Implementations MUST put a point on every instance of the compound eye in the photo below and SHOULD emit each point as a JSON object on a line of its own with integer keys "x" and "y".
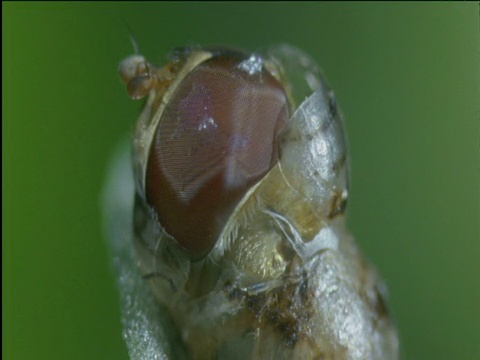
{"x": 215, "y": 140}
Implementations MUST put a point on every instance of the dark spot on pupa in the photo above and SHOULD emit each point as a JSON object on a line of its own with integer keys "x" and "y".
{"x": 285, "y": 309}
{"x": 303, "y": 290}
{"x": 339, "y": 163}
{"x": 338, "y": 204}
{"x": 380, "y": 305}
{"x": 332, "y": 104}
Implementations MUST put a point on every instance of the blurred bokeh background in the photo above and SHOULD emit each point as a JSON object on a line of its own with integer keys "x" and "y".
{"x": 406, "y": 76}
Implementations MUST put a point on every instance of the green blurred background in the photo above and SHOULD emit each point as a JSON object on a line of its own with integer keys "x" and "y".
{"x": 406, "y": 76}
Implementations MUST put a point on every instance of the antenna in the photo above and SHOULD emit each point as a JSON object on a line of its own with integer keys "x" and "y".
{"x": 133, "y": 40}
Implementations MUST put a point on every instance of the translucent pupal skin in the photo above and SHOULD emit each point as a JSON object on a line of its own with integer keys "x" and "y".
{"x": 285, "y": 280}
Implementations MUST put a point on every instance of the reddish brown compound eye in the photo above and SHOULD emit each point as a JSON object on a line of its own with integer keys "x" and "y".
{"x": 215, "y": 140}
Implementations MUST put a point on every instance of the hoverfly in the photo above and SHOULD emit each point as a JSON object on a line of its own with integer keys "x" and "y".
{"x": 227, "y": 221}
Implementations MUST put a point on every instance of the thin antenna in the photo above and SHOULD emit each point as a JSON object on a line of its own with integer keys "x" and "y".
{"x": 133, "y": 40}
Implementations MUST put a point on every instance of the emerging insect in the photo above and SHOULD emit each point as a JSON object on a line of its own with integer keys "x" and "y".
{"x": 240, "y": 169}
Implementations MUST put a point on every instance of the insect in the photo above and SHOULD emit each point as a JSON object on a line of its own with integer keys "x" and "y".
{"x": 240, "y": 171}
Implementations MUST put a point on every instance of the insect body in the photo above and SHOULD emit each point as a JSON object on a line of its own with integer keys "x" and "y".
{"x": 240, "y": 168}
